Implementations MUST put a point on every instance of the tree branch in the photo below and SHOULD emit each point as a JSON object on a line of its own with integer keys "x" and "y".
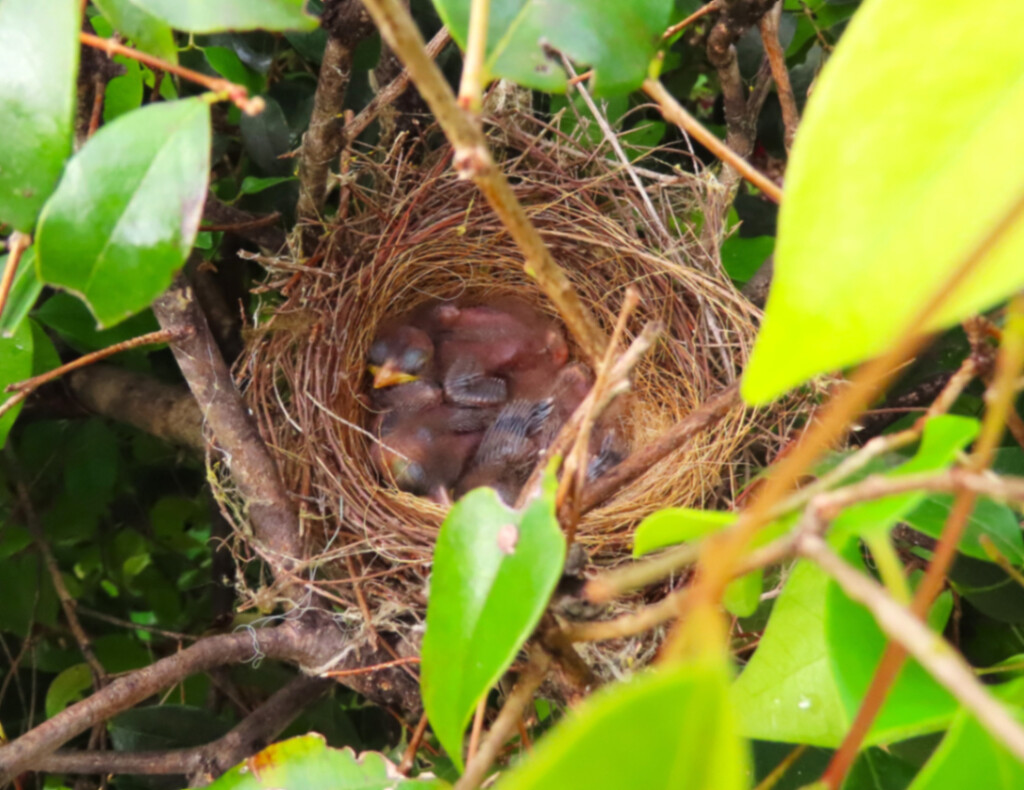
{"x": 243, "y": 224}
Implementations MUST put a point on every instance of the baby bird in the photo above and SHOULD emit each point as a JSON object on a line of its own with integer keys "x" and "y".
{"x": 401, "y": 353}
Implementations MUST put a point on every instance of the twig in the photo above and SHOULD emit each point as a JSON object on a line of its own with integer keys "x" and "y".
{"x": 506, "y": 722}
{"x": 236, "y": 93}
{"x": 675, "y": 113}
{"x": 1000, "y": 396}
{"x": 250, "y": 227}
{"x": 936, "y": 655}
{"x": 702, "y": 11}
{"x": 780, "y": 770}
{"x": 17, "y": 243}
{"x": 1000, "y": 559}
{"x": 238, "y": 228}
{"x": 346, "y": 673}
{"x": 471, "y": 88}
{"x": 478, "y": 726}
{"x": 473, "y": 160}
{"x": 769, "y": 27}
{"x": 409, "y": 757}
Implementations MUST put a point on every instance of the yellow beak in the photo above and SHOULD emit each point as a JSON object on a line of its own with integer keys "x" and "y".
{"x": 388, "y": 374}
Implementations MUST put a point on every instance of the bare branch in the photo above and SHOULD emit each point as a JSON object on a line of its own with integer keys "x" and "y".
{"x": 243, "y": 224}
{"x": 769, "y": 27}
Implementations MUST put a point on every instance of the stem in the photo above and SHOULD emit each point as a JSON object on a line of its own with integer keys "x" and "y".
{"x": 769, "y": 27}
{"x": 471, "y": 88}
{"x": 702, "y": 11}
{"x": 17, "y": 243}
{"x": 236, "y": 93}
{"x": 675, "y": 113}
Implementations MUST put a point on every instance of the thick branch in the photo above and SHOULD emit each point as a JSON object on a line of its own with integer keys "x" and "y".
{"x": 274, "y": 518}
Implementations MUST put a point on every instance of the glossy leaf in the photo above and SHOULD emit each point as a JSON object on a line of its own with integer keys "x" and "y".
{"x": 943, "y": 438}
{"x": 494, "y": 571}
{"x": 38, "y": 69}
{"x": 675, "y": 525}
{"x": 992, "y": 519}
{"x": 70, "y": 318}
{"x": 669, "y": 728}
{"x": 969, "y": 757}
{"x": 203, "y": 16}
{"x": 884, "y": 183}
{"x": 617, "y": 39}
{"x": 24, "y": 292}
{"x": 146, "y": 31}
{"x": 307, "y": 763}
{"x": 15, "y": 365}
{"x": 126, "y": 212}
{"x": 68, "y": 687}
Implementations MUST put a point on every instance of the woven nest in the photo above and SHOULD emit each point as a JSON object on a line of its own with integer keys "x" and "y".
{"x": 411, "y": 232}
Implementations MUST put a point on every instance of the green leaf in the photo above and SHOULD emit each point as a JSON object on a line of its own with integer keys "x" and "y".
{"x": 148, "y": 32}
{"x": 742, "y": 596}
{"x": 989, "y": 518}
{"x": 898, "y": 174}
{"x": 15, "y": 365}
{"x": 38, "y": 68}
{"x": 126, "y": 212}
{"x": 677, "y": 525}
{"x": 307, "y": 763}
{"x": 252, "y": 185}
{"x": 943, "y": 438}
{"x": 158, "y": 727}
{"x": 742, "y": 257}
{"x": 617, "y": 39}
{"x": 670, "y": 728}
{"x": 969, "y": 757}
{"x": 68, "y": 687}
{"x": 124, "y": 93}
{"x": 202, "y": 16}
{"x": 24, "y": 292}
{"x": 70, "y": 318}
{"x": 494, "y": 571}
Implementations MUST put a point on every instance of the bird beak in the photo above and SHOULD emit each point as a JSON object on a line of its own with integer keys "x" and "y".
{"x": 388, "y": 374}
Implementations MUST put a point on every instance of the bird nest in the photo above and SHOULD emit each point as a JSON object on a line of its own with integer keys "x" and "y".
{"x": 409, "y": 231}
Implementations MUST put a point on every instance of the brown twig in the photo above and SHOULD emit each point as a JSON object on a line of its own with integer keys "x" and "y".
{"x": 409, "y": 757}
{"x": 779, "y": 770}
{"x": 769, "y": 28}
{"x": 506, "y": 722}
{"x": 704, "y": 10}
{"x": 236, "y": 93}
{"x": 473, "y": 160}
{"x": 478, "y": 726}
{"x": 347, "y": 673}
{"x": 17, "y": 243}
{"x": 471, "y": 88}
{"x": 259, "y": 230}
{"x": 675, "y": 113}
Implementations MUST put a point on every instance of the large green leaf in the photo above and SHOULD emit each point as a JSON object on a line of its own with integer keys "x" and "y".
{"x": 38, "y": 68}
{"x": 307, "y": 763}
{"x": 204, "y": 16}
{"x": 68, "y": 687}
{"x": 899, "y": 172}
{"x": 126, "y": 212}
{"x": 670, "y": 728}
{"x": 969, "y": 757}
{"x": 146, "y": 31}
{"x": 494, "y": 571}
{"x": 988, "y": 518}
{"x": 15, "y": 365}
{"x": 617, "y": 39}
{"x": 674, "y": 525}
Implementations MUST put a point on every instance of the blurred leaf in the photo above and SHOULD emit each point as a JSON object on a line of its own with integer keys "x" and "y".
{"x": 202, "y": 16}
{"x": 120, "y": 653}
{"x": 127, "y": 210}
{"x": 883, "y": 183}
{"x": 146, "y": 31}
{"x": 124, "y": 93}
{"x": 24, "y": 292}
{"x": 252, "y": 185}
{"x": 943, "y": 439}
{"x": 874, "y": 769}
{"x": 26, "y": 595}
{"x": 91, "y": 464}
{"x": 307, "y": 763}
{"x": 617, "y": 39}
{"x": 158, "y": 727}
{"x": 70, "y": 318}
{"x": 989, "y": 518}
{"x": 266, "y": 136}
{"x": 743, "y": 595}
{"x": 15, "y": 365}
{"x": 678, "y": 525}
{"x": 68, "y": 687}
{"x": 969, "y": 757}
{"x": 742, "y": 257}
{"x": 38, "y": 68}
{"x": 670, "y": 728}
{"x": 494, "y": 571}
{"x": 227, "y": 63}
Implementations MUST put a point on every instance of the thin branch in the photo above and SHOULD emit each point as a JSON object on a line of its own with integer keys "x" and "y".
{"x": 17, "y": 243}
{"x": 473, "y": 160}
{"x": 709, "y": 8}
{"x": 769, "y": 28}
{"x": 675, "y": 113}
{"x": 507, "y": 721}
{"x": 243, "y": 224}
{"x": 936, "y": 655}
{"x": 471, "y": 88}
{"x": 235, "y": 93}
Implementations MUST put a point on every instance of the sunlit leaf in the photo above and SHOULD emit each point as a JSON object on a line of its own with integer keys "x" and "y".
{"x": 494, "y": 571}
{"x": 126, "y": 212}
{"x": 203, "y": 16}
{"x": 677, "y": 525}
{"x": 742, "y": 596}
{"x": 617, "y": 39}
{"x": 669, "y": 728}
{"x": 307, "y": 763}
{"x": 146, "y": 31}
{"x": 898, "y": 174}
{"x": 68, "y": 687}
{"x": 38, "y": 68}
